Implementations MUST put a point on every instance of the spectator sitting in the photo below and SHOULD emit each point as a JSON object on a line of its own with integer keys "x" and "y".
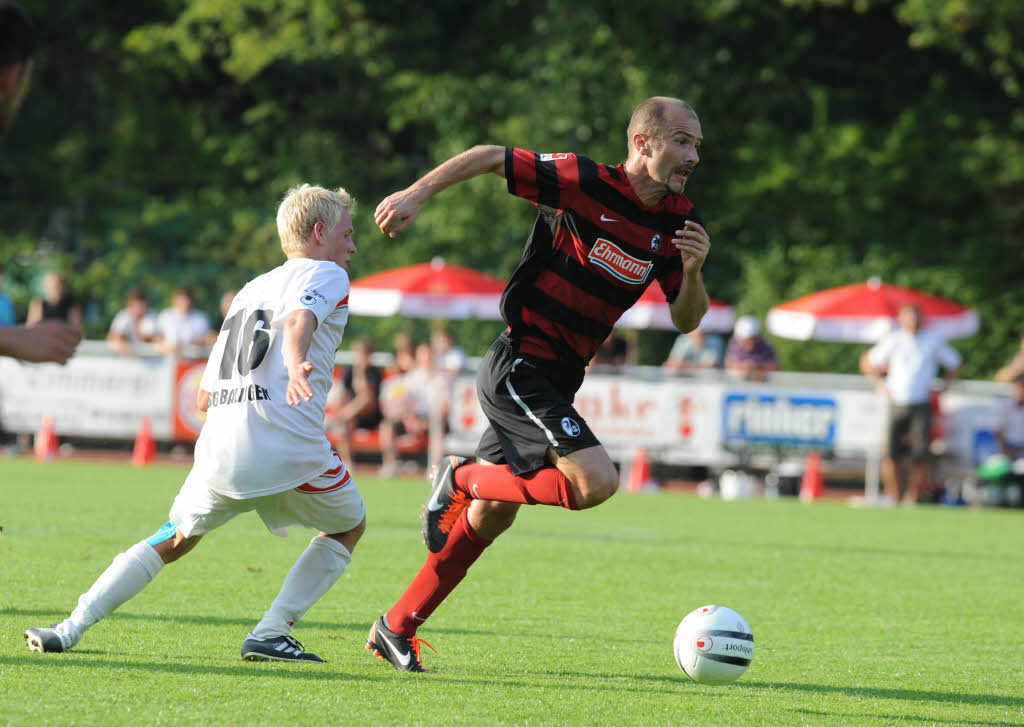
{"x": 57, "y": 303}
{"x": 611, "y": 354}
{"x": 450, "y": 358}
{"x": 357, "y": 402}
{"x": 7, "y": 317}
{"x": 407, "y": 403}
{"x": 133, "y": 324}
{"x": 748, "y": 355}
{"x": 225, "y": 305}
{"x": 694, "y": 350}
{"x": 181, "y": 324}
{"x": 1013, "y": 370}
{"x": 404, "y": 360}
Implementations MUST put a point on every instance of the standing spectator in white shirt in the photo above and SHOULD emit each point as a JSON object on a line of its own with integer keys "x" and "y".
{"x": 181, "y": 324}
{"x": 133, "y": 324}
{"x": 902, "y": 366}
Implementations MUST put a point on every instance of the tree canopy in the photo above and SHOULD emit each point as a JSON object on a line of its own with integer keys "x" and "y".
{"x": 842, "y": 139}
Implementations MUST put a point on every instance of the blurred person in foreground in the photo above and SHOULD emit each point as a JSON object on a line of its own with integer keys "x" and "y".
{"x": 408, "y": 402}
{"x": 182, "y": 324}
{"x": 46, "y": 340}
{"x": 133, "y": 324}
{"x": 902, "y": 366}
{"x": 602, "y": 235}
{"x": 748, "y": 355}
{"x": 356, "y": 399}
{"x": 694, "y": 351}
{"x": 263, "y": 446}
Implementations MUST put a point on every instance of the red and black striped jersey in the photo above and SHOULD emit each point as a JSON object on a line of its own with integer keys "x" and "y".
{"x": 594, "y": 249}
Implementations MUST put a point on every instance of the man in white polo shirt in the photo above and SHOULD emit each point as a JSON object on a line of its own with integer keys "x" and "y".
{"x": 263, "y": 447}
{"x": 903, "y": 365}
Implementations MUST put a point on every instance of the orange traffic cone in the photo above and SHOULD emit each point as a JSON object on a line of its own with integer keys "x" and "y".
{"x": 812, "y": 486}
{"x": 46, "y": 440}
{"x": 640, "y": 471}
{"x": 145, "y": 447}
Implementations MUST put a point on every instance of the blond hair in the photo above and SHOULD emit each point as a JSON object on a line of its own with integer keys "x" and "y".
{"x": 649, "y": 118}
{"x": 304, "y": 206}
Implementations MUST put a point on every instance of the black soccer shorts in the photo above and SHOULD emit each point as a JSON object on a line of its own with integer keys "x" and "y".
{"x": 529, "y": 407}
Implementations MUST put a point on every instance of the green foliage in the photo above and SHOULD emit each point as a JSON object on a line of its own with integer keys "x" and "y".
{"x": 843, "y": 139}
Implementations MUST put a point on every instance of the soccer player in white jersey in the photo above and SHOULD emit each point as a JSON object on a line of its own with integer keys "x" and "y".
{"x": 263, "y": 446}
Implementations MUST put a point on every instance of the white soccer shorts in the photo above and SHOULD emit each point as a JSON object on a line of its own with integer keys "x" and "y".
{"x": 330, "y": 503}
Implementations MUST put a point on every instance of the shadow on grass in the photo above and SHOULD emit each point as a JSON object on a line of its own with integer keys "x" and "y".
{"x": 91, "y": 659}
{"x": 48, "y": 616}
{"x": 917, "y": 695}
{"x": 911, "y": 718}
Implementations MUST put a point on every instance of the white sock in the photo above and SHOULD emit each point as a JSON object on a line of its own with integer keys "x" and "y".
{"x": 130, "y": 572}
{"x": 316, "y": 570}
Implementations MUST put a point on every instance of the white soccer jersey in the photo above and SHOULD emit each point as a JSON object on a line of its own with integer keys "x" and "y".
{"x": 253, "y": 443}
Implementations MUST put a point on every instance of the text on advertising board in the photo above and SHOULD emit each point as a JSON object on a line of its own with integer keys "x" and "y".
{"x": 777, "y": 419}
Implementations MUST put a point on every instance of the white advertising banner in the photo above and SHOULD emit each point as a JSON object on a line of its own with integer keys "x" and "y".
{"x": 692, "y": 421}
{"x": 89, "y": 397}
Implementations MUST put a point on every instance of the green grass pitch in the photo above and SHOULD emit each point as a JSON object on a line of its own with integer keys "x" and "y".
{"x": 861, "y": 617}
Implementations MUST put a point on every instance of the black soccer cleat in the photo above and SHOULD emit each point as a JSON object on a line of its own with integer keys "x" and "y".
{"x": 445, "y": 503}
{"x": 282, "y": 648}
{"x": 44, "y": 640}
{"x": 403, "y": 652}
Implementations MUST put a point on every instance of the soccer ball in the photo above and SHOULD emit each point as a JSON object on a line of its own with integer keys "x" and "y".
{"x": 713, "y": 645}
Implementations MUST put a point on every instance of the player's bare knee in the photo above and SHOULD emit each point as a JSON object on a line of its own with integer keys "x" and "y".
{"x": 489, "y": 519}
{"x": 596, "y": 486}
{"x": 173, "y": 549}
{"x": 349, "y": 538}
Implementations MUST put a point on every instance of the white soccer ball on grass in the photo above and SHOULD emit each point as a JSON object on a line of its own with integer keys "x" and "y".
{"x": 713, "y": 645}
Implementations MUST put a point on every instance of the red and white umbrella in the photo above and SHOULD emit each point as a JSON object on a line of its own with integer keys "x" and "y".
{"x": 651, "y": 311}
{"x": 864, "y": 312}
{"x": 428, "y": 290}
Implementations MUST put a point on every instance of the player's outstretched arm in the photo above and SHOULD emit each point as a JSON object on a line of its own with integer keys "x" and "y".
{"x": 298, "y": 333}
{"x": 398, "y": 210}
{"x": 44, "y": 341}
{"x": 694, "y": 244}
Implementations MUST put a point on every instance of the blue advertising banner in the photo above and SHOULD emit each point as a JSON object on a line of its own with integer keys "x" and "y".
{"x": 750, "y": 417}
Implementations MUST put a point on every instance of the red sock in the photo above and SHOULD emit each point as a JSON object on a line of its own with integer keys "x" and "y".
{"x": 437, "y": 578}
{"x": 546, "y": 486}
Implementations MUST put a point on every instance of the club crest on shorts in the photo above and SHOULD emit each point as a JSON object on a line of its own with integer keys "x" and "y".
{"x": 307, "y": 300}
{"x": 656, "y": 243}
{"x": 570, "y": 426}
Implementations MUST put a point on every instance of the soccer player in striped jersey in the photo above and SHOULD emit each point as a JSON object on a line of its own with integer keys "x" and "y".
{"x": 263, "y": 446}
{"x": 602, "y": 235}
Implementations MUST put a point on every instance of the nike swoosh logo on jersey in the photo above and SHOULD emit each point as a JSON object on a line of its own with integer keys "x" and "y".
{"x": 475, "y": 493}
{"x": 402, "y": 657}
{"x": 433, "y": 505}
{"x": 607, "y": 219}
